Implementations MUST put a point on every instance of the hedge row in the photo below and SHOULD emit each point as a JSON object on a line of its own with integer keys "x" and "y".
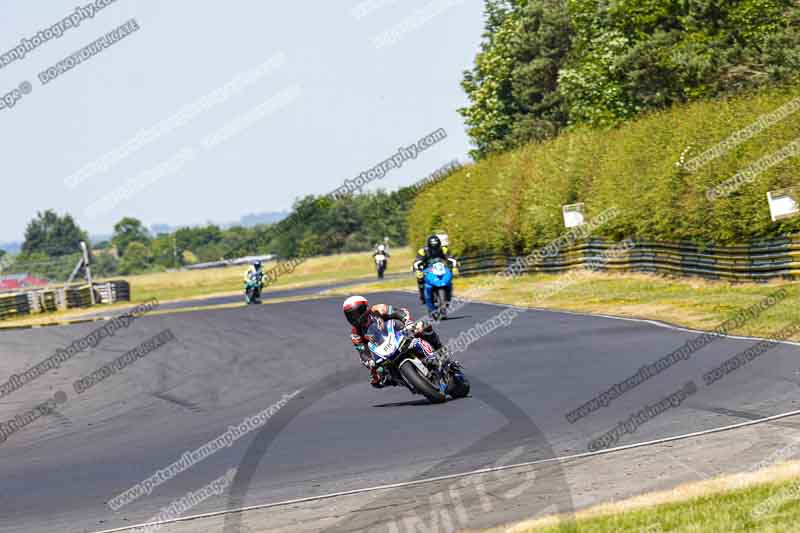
{"x": 511, "y": 203}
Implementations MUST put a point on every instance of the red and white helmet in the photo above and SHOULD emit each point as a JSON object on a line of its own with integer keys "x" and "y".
{"x": 356, "y": 310}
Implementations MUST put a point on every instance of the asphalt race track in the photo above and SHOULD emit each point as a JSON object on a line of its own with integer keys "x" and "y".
{"x": 338, "y": 433}
{"x": 270, "y": 293}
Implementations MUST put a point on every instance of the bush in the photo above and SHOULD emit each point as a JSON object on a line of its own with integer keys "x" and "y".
{"x": 511, "y": 203}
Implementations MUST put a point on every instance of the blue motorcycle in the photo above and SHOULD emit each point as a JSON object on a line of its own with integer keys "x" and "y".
{"x": 411, "y": 362}
{"x": 438, "y": 283}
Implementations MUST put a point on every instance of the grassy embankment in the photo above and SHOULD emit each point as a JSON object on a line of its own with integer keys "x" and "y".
{"x": 511, "y": 203}
{"x": 764, "y": 501}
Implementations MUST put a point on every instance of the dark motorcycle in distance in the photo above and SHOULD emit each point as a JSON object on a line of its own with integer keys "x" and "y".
{"x": 408, "y": 362}
{"x": 380, "y": 263}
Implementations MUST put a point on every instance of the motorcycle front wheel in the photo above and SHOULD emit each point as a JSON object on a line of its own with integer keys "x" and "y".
{"x": 441, "y": 303}
{"x": 421, "y": 384}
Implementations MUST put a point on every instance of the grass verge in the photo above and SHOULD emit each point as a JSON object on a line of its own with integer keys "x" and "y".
{"x": 690, "y": 302}
{"x": 199, "y": 284}
{"x": 764, "y": 500}
{"x": 192, "y": 284}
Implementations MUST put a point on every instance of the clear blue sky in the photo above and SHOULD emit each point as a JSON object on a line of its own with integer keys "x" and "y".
{"x": 336, "y": 104}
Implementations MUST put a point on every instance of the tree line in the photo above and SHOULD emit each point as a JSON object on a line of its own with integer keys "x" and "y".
{"x": 316, "y": 225}
{"x": 550, "y": 65}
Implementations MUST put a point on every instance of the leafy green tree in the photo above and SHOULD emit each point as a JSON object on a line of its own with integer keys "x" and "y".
{"x": 310, "y": 245}
{"x": 352, "y": 223}
{"x": 163, "y": 251}
{"x": 198, "y": 239}
{"x": 137, "y": 258}
{"x": 42, "y": 265}
{"x": 316, "y": 226}
{"x": 239, "y": 241}
{"x": 104, "y": 265}
{"x": 127, "y": 231}
{"x": 53, "y": 235}
{"x": 549, "y": 64}
{"x": 512, "y": 87}
{"x": 210, "y": 252}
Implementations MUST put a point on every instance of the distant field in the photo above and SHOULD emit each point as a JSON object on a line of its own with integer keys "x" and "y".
{"x": 220, "y": 281}
{"x": 689, "y": 302}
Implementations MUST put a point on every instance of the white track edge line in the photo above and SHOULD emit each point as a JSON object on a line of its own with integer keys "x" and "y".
{"x": 651, "y": 321}
{"x": 488, "y": 470}
{"x": 633, "y": 319}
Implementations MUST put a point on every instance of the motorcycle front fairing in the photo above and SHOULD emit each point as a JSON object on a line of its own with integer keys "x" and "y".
{"x": 389, "y": 343}
{"x": 384, "y": 342}
{"x": 438, "y": 275}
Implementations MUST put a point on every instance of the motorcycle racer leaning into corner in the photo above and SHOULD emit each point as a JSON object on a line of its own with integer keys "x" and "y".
{"x": 360, "y": 315}
{"x": 433, "y": 250}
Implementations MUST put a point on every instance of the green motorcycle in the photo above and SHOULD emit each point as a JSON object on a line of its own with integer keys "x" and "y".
{"x": 252, "y": 289}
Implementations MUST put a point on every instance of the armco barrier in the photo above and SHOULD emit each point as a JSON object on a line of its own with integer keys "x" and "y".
{"x": 14, "y": 305}
{"x": 50, "y": 300}
{"x": 758, "y": 261}
{"x": 113, "y": 291}
{"x": 78, "y": 297}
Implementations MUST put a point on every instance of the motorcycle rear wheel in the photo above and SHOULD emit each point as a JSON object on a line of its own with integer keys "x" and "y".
{"x": 458, "y": 388}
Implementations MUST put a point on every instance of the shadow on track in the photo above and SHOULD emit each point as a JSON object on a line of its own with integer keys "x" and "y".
{"x": 519, "y": 432}
{"x": 410, "y": 403}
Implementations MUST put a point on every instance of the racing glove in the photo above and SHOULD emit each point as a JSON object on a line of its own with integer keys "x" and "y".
{"x": 366, "y": 360}
{"x": 453, "y": 266}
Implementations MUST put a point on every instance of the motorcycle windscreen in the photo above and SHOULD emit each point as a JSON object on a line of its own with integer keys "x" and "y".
{"x": 383, "y": 343}
{"x": 438, "y": 275}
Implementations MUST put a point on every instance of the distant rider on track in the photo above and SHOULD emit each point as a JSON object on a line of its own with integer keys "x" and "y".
{"x": 381, "y": 257}
{"x": 254, "y": 272}
{"x": 381, "y": 250}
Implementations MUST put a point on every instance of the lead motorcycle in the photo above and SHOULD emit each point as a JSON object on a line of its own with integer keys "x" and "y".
{"x": 408, "y": 362}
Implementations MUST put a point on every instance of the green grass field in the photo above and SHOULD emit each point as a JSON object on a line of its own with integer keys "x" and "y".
{"x": 199, "y": 284}
{"x": 766, "y": 507}
{"x": 192, "y": 284}
{"x": 687, "y": 302}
